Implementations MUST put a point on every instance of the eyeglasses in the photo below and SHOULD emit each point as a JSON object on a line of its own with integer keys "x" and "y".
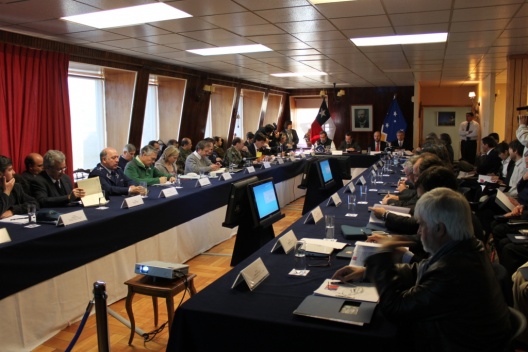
{"x": 63, "y": 170}
{"x": 315, "y": 261}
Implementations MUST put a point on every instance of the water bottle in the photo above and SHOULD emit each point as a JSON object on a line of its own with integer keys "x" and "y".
{"x": 300, "y": 258}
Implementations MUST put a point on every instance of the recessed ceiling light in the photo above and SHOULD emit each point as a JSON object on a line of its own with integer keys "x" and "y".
{"x": 401, "y": 39}
{"x": 239, "y": 49}
{"x": 128, "y": 16}
{"x": 298, "y": 74}
{"x": 315, "y": 2}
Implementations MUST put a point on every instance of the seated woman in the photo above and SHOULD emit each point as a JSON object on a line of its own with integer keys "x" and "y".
{"x": 13, "y": 200}
{"x": 167, "y": 162}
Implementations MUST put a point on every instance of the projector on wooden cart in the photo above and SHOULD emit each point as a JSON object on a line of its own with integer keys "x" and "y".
{"x": 165, "y": 270}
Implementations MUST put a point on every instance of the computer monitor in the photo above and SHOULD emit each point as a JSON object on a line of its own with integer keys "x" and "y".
{"x": 325, "y": 174}
{"x": 235, "y": 201}
{"x": 264, "y": 203}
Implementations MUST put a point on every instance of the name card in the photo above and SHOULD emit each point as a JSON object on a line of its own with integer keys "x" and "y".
{"x": 131, "y": 202}
{"x": 287, "y": 242}
{"x": 253, "y": 274}
{"x": 334, "y": 200}
{"x": 71, "y": 218}
{"x": 375, "y": 167}
{"x": 350, "y": 188}
{"x": 303, "y": 156}
{"x": 249, "y": 170}
{"x": 266, "y": 164}
{"x": 373, "y": 172}
{"x": 280, "y": 161}
{"x": 361, "y": 181}
{"x": 225, "y": 176}
{"x": 201, "y": 182}
{"x": 4, "y": 236}
{"x": 292, "y": 158}
{"x": 168, "y": 192}
{"x": 380, "y": 163}
{"x": 314, "y": 216}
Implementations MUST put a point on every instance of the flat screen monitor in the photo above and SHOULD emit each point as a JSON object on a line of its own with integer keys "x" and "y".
{"x": 306, "y": 173}
{"x": 264, "y": 203}
{"x": 325, "y": 173}
{"x": 235, "y": 201}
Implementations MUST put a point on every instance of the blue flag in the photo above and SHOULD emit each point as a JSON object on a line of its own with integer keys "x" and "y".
{"x": 394, "y": 121}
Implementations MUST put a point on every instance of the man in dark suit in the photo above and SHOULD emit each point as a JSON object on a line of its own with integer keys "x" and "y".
{"x": 377, "y": 144}
{"x": 400, "y": 142}
{"x": 258, "y": 144}
{"x": 13, "y": 199}
{"x": 52, "y": 188}
{"x": 112, "y": 178}
{"x": 129, "y": 151}
{"x": 489, "y": 162}
{"x": 349, "y": 145}
{"x": 34, "y": 166}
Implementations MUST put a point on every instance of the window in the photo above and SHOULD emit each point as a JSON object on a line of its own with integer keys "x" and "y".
{"x": 151, "y": 121}
{"x": 87, "y": 119}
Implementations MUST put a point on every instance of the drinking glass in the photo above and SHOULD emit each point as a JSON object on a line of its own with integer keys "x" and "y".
{"x": 300, "y": 258}
{"x": 329, "y": 227}
{"x": 102, "y": 201}
{"x": 352, "y": 202}
{"x": 144, "y": 189}
{"x": 31, "y": 210}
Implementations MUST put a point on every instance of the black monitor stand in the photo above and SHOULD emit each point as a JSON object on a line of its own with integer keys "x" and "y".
{"x": 249, "y": 238}
{"x": 315, "y": 193}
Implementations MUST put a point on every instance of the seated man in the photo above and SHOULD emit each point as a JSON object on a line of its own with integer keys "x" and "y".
{"x": 489, "y": 162}
{"x": 129, "y": 151}
{"x": 141, "y": 168}
{"x": 258, "y": 145}
{"x": 198, "y": 161}
{"x": 377, "y": 144}
{"x": 400, "y": 142}
{"x": 185, "y": 151}
{"x": 349, "y": 145}
{"x": 34, "y": 166}
{"x": 52, "y": 188}
{"x": 450, "y": 301}
{"x": 324, "y": 141}
{"x": 13, "y": 199}
{"x": 113, "y": 180}
{"x": 234, "y": 154}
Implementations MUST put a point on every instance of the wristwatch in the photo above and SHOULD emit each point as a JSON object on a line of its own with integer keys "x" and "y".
{"x": 384, "y": 216}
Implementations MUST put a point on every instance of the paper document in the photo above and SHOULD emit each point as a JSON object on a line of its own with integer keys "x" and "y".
{"x": 16, "y": 219}
{"x": 402, "y": 211}
{"x": 324, "y": 243}
{"x": 358, "y": 291}
{"x": 92, "y": 190}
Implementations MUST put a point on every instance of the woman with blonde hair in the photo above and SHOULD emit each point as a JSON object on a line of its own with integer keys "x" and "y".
{"x": 167, "y": 162}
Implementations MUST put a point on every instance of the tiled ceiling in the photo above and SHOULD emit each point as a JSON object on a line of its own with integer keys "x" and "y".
{"x": 304, "y": 37}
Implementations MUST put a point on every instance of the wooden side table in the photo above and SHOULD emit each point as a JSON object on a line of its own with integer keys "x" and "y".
{"x": 160, "y": 287}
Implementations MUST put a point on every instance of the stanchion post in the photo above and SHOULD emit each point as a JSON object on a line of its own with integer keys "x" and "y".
{"x": 101, "y": 317}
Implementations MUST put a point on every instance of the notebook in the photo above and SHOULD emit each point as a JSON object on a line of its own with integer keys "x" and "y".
{"x": 346, "y": 253}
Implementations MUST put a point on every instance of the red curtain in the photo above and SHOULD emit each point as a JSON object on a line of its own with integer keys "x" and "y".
{"x": 34, "y": 104}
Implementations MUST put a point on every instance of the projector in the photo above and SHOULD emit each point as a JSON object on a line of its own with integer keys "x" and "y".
{"x": 162, "y": 269}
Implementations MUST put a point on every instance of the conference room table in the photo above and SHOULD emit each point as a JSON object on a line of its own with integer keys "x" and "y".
{"x": 48, "y": 272}
{"x": 237, "y": 319}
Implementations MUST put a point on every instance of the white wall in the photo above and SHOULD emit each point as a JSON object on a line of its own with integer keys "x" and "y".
{"x": 429, "y": 124}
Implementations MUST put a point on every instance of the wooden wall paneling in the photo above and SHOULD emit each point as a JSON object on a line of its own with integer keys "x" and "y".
{"x": 195, "y": 110}
{"x": 516, "y": 92}
{"x": 253, "y": 101}
{"x": 119, "y": 93}
{"x": 273, "y": 108}
{"x": 170, "y": 102}
{"x": 222, "y": 102}
{"x": 138, "y": 107}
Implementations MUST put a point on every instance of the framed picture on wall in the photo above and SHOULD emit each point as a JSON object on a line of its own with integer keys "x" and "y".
{"x": 445, "y": 118}
{"x": 362, "y": 118}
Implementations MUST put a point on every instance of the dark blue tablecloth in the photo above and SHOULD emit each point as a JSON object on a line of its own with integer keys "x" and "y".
{"x": 38, "y": 254}
{"x": 221, "y": 318}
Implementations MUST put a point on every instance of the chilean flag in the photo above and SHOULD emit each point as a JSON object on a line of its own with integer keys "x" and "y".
{"x": 320, "y": 120}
